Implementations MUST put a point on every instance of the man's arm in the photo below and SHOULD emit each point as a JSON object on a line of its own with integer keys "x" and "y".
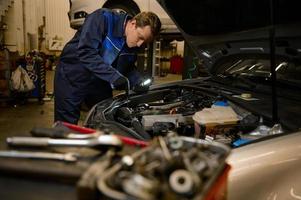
{"x": 90, "y": 42}
{"x": 127, "y": 67}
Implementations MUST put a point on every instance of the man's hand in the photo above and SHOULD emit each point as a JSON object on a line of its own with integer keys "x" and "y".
{"x": 143, "y": 86}
{"x": 122, "y": 83}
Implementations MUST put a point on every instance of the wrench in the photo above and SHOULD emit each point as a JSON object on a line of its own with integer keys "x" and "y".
{"x": 98, "y": 142}
{"x": 68, "y": 157}
{"x": 58, "y": 133}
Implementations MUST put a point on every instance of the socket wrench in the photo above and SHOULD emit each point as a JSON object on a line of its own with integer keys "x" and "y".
{"x": 68, "y": 157}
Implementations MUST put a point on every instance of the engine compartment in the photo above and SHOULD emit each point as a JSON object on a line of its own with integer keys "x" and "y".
{"x": 161, "y": 111}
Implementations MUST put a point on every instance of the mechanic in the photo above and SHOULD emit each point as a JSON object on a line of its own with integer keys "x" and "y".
{"x": 100, "y": 57}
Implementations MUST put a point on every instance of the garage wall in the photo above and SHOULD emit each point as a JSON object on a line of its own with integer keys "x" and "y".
{"x": 14, "y": 35}
{"x": 58, "y": 31}
{"x": 44, "y": 24}
{"x": 32, "y": 17}
{"x": 23, "y": 19}
{"x": 34, "y": 24}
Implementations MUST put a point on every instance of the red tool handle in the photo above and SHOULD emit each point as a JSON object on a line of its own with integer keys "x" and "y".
{"x": 84, "y": 130}
{"x": 76, "y": 128}
{"x": 132, "y": 141}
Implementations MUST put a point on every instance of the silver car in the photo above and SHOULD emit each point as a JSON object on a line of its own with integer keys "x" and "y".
{"x": 267, "y": 169}
{"x": 252, "y": 53}
{"x": 79, "y": 9}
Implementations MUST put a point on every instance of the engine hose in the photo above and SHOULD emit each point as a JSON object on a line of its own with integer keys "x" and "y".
{"x": 167, "y": 106}
{"x": 139, "y": 129}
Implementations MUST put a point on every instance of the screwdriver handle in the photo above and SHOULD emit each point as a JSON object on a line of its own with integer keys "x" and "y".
{"x": 49, "y": 132}
{"x": 75, "y": 128}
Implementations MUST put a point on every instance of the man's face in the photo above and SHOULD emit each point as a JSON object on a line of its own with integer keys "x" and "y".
{"x": 136, "y": 36}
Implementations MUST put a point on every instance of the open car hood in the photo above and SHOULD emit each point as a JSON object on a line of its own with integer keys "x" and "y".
{"x": 220, "y": 29}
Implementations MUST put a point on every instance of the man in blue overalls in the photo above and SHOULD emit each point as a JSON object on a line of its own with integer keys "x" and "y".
{"x": 100, "y": 57}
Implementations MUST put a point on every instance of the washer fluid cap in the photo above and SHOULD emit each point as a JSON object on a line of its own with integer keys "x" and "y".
{"x": 221, "y": 103}
{"x": 246, "y": 95}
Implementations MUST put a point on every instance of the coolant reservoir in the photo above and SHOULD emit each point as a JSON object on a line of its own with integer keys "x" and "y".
{"x": 214, "y": 116}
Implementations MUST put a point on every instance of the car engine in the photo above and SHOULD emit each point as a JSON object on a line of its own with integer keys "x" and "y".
{"x": 161, "y": 111}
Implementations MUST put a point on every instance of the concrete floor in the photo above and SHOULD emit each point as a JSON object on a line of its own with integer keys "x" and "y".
{"x": 18, "y": 120}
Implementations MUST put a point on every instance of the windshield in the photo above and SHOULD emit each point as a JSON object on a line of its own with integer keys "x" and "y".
{"x": 289, "y": 71}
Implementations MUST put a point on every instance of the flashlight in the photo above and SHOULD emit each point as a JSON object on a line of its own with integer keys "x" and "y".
{"x": 146, "y": 82}
{"x": 143, "y": 86}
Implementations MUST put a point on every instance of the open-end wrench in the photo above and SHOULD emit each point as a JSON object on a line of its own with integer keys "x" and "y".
{"x": 68, "y": 157}
{"x": 99, "y": 142}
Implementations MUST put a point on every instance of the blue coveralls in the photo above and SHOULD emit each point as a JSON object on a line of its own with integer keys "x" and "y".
{"x": 91, "y": 61}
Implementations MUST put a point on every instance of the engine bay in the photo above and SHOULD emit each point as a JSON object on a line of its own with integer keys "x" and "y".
{"x": 182, "y": 110}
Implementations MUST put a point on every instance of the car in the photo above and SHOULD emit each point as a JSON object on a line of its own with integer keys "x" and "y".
{"x": 250, "y": 102}
{"x": 239, "y": 64}
{"x": 267, "y": 169}
{"x": 79, "y": 9}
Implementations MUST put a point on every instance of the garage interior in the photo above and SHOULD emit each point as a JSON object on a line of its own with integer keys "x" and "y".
{"x": 34, "y": 38}
{"x": 221, "y": 120}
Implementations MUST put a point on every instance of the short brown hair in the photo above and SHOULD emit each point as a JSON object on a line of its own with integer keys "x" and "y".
{"x": 151, "y": 19}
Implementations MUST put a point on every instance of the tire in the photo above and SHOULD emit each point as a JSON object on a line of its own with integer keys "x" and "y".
{"x": 130, "y": 9}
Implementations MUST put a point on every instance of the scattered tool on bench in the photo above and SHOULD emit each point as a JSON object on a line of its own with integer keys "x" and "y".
{"x": 59, "y": 132}
{"x": 100, "y": 142}
{"x": 68, "y": 157}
